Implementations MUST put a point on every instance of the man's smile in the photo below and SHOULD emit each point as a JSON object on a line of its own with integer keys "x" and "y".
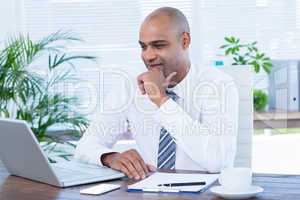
{"x": 158, "y": 65}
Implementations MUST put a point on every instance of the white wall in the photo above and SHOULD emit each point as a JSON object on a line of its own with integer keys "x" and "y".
{"x": 10, "y": 20}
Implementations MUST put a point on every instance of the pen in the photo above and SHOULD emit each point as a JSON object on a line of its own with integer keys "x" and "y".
{"x": 182, "y": 184}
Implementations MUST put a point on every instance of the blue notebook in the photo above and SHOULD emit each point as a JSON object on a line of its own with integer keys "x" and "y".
{"x": 151, "y": 183}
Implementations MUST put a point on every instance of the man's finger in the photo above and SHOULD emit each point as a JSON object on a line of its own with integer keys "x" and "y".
{"x": 137, "y": 165}
{"x": 151, "y": 168}
{"x": 142, "y": 163}
{"x": 141, "y": 85}
{"x": 131, "y": 168}
{"x": 121, "y": 167}
{"x": 137, "y": 156}
{"x": 145, "y": 168}
{"x": 169, "y": 78}
{"x": 124, "y": 169}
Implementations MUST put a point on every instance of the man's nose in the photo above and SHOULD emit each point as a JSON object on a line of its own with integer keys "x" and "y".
{"x": 150, "y": 54}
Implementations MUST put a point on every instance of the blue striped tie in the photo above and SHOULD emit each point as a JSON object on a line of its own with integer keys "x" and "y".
{"x": 167, "y": 146}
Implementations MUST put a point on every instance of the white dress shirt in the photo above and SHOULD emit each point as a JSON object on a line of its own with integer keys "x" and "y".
{"x": 203, "y": 122}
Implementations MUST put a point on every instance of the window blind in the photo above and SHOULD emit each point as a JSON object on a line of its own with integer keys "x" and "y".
{"x": 110, "y": 30}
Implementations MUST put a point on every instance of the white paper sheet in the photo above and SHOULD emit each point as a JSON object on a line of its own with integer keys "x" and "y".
{"x": 151, "y": 183}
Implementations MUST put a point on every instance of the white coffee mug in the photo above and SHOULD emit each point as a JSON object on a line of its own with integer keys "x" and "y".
{"x": 236, "y": 178}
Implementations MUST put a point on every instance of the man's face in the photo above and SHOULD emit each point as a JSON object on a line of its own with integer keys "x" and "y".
{"x": 161, "y": 46}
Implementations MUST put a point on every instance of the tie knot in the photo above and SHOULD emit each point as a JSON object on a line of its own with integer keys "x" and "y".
{"x": 172, "y": 95}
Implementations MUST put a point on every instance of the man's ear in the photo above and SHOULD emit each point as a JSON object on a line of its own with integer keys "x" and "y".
{"x": 186, "y": 40}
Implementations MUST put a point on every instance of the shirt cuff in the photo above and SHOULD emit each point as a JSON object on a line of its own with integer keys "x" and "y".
{"x": 97, "y": 157}
{"x": 92, "y": 156}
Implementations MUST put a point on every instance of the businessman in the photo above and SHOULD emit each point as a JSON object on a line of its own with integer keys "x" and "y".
{"x": 182, "y": 117}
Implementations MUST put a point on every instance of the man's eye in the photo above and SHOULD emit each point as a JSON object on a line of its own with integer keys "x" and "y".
{"x": 143, "y": 47}
{"x": 159, "y": 46}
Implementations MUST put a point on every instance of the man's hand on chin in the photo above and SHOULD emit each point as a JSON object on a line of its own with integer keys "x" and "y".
{"x": 154, "y": 84}
{"x": 129, "y": 162}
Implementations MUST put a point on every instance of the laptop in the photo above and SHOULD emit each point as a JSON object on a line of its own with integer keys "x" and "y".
{"x": 22, "y": 156}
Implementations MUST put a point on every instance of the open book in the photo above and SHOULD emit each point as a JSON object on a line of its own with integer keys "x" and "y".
{"x": 151, "y": 184}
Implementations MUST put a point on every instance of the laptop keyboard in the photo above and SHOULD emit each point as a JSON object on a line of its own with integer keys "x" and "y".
{"x": 66, "y": 174}
{"x": 72, "y": 171}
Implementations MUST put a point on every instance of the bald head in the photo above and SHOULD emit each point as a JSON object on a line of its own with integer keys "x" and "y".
{"x": 175, "y": 17}
{"x": 164, "y": 39}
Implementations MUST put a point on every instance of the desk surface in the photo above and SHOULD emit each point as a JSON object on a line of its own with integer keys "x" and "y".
{"x": 11, "y": 188}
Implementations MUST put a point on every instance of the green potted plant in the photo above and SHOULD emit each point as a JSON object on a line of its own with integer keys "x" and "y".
{"x": 249, "y": 54}
{"x": 260, "y": 100}
{"x": 246, "y": 54}
{"x": 32, "y": 95}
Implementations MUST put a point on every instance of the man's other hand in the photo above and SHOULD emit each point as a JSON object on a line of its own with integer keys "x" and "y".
{"x": 128, "y": 162}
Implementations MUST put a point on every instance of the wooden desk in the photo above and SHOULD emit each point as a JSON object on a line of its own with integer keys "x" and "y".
{"x": 277, "y": 187}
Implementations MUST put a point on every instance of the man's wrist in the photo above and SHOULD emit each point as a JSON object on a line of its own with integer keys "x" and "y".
{"x": 106, "y": 158}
